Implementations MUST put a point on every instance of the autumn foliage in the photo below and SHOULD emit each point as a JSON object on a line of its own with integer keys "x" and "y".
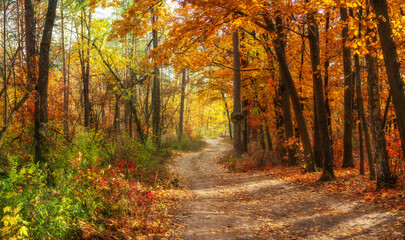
{"x": 94, "y": 93}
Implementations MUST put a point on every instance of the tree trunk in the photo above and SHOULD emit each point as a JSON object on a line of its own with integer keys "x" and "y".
{"x": 261, "y": 138}
{"x": 348, "y": 93}
{"x": 326, "y": 82}
{"x": 279, "y": 46}
{"x": 268, "y": 138}
{"x": 41, "y": 103}
{"x": 156, "y": 121}
{"x": 317, "y": 149}
{"x": 117, "y": 114}
{"x": 65, "y": 85}
{"x": 228, "y": 115}
{"x": 30, "y": 42}
{"x": 361, "y": 149}
{"x": 182, "y": 97}
{"x": 288, "y": 124}
{"x": 236, "y": 115}
{"x": 313, "y": 36}
{"x": 360, "y": 105}
{"x": 245, "y": 127}
{"x": 86, "y": 79}
{"x": 392, "y": 65}
{"x": 4, "y": 59}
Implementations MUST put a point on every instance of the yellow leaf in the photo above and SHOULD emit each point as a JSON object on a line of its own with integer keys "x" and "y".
{"x": 24, "y": 231}
{"x": 7, "y": 209}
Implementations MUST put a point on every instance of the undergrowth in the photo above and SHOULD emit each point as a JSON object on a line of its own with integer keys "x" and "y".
{"x": 348, "y": 181}
{"x": 186, "y": 143}
{"x": 93, "y": 187}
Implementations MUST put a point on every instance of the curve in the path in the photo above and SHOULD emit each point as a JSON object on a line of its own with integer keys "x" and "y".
{"x": 226, "y": 205}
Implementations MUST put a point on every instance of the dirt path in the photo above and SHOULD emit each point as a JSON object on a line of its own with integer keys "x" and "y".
{"x": 225, "y": 205}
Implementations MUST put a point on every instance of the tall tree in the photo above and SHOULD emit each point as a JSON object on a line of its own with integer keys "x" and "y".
{"x": 41, "y": 103}
{"x": 360, "y": 101}
{"x": 236, "y": 115}
{"x": 279, "y": 46}
{"x": 182, "y": 98}
{"x": 287, "y": 121}
{"x": 348, "y": 92}
{"x": 392, "y": 66}
{"x": 313, "y": 36}
{"x": 64, "y": 74}
{"x": 156, "y": 121}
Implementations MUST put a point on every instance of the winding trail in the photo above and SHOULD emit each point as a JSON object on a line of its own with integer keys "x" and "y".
{"x": 227, "y": 205}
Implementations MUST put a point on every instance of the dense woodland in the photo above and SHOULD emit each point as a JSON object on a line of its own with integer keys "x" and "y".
{"x": 96, "y": 93}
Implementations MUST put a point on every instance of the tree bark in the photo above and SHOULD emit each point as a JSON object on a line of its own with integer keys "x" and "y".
{"x": 268, "y": 138}
{"x": 361, "y": 149}
{"x": 326, "y": 82}
{"x": 245, "y": 126}
{"x": 117, "y": 114}
{"x": 313, "y": 36}
{"x": 156, "y": 121}
{"x": 86, "y": 79}
{"x": 228, "y": 115}
{"x": 360, "y": 105}
{"x": 279, "y": 46}
{"x": 41, "y": 103}
{"x": 288, "y": 124}
{"x": 64, "y": 73}
{"x": 348, "y": 93}
{"x": 392, "y": 66}
{"x": 317, "y": 149}
{"x": 4, "y": 70}
{"x": 30, "y": 42}
{"x": 236, "y": 115}
{"x": 182, "y": 98}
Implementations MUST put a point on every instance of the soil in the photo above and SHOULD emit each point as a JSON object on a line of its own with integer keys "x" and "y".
{"x": 228, "y": 205}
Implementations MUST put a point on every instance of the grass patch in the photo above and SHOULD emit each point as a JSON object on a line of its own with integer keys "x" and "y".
{"x": 186, "y": 143}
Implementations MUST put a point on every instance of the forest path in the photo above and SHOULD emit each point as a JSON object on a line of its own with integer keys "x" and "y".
{"x": 228, "y": 205}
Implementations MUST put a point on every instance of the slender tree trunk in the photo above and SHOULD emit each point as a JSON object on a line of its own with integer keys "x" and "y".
{"x": 326, "y": 81}
{"x": 156, "y": 121}
{"x": 392, "y": 65}
{"x": 360, "y": 103}
{"x": 348, "y": 93}
{"x": 141, "y": 134}
{"x": 317, "y": 149}
{"x": 377, "y": 129}
{"x": 41, "y": 103}
{"x": 361, "y": 149}
{"x": 4, "y": 59}
{"x": 313, "y": 36}
{"x": 86, "y": 79}
{"x": 279, "y": 46}
{"x": 117, "y": 114}
{"x": 261, "y": 138}
{"x": 182, "y": 98}
{"x": 288, "y": 124}
{"x": 65, "y": 85}
{"x": 268, "y": 138}
{"x": 30, "y": 42}
{"x": 377, "y": 125}
{"x": 236, "y": 115}
{"x": 245, "y": 127}
{"x": 228, "y": 115}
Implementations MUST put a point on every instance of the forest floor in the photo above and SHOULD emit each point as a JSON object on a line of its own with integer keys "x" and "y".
{"x": 221, "y": 204}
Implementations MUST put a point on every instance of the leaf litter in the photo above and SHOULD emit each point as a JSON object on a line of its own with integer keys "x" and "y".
{"x": 219, "y": 203}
